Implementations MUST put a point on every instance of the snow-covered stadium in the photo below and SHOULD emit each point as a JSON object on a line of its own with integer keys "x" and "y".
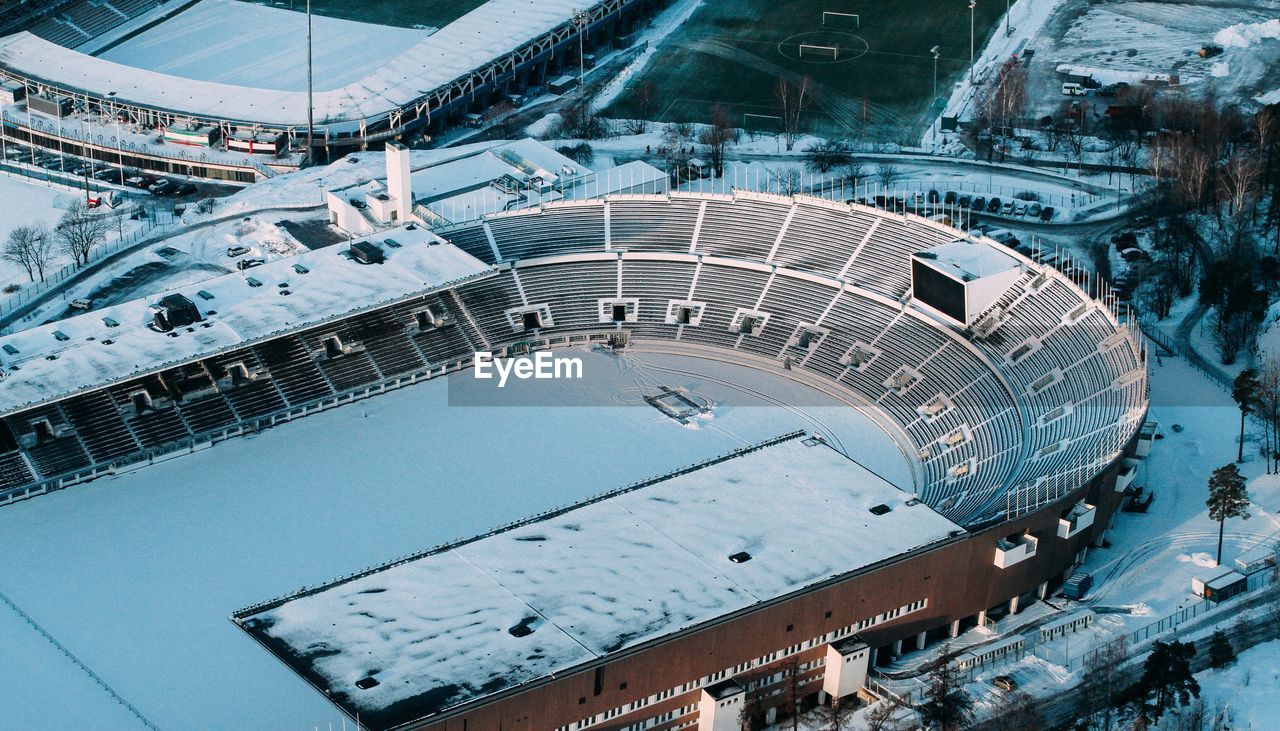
{"x": 867, "y": 429}
{"x": 61, "y": 88}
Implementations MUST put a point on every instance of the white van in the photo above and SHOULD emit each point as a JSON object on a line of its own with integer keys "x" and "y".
{"x": 1073, "y": 89}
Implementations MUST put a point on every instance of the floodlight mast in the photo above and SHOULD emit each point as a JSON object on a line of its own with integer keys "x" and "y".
{"x": 311, "y": 134}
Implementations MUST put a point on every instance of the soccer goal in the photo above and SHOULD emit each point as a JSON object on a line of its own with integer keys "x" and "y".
{"x": 841, "y": 20}
{"x": 822, "y": 51}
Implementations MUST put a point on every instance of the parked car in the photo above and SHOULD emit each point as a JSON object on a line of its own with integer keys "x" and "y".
{"x": 1020, "y": 209}
{"x": 949, "y": 199}
{"x": 184, "y": 189}
{"x": 234, "y": 251}
{"x": 1047, "y": 214}
{"x": 1072, "y": 89}
{"x": 1005, "y": 683}
{"x": 140, "y": 181}
{"x": 979, "y": 203}
{"x": 993, "y": 205}
{"x": 108, "y": 174}
{"x": 249, "y": 263}
{"x": 82, "y": 303}
{"x": 160, "y": 186}
{"x": 1033, "y": 210}
{"x": 964, "y": 201}
{"x": 933, "y": 196}
{"x": 1007, "y": 208}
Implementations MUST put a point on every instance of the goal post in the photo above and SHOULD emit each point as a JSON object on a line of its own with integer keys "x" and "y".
{"x": 833, "y": 51}
{"x": 841, "y": 19}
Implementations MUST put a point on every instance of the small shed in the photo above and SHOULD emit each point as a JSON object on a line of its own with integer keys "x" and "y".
{"x": 1221, "y": 586}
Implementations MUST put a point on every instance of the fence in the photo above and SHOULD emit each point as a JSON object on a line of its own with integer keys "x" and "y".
{"x": 158, "y": 220}
{"x": 912, "y": 690}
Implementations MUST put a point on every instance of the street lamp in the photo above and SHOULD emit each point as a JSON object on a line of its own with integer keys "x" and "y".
{"x": 972, "y": 4}
{"x": 1007, "y": 29}
{"x": 582, "y": 20}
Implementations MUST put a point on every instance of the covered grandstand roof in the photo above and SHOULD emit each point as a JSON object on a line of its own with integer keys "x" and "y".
{"x": 490, "y": 31}
{"x": 115, "y": 343}
{"x": 475, "y": 619}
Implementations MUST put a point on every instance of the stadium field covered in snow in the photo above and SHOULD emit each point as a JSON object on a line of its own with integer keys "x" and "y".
{"x": 150, "y": 565}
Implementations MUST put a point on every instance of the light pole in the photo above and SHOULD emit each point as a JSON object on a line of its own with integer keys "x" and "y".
{"x": 936, "y": 51}
{"x": 311, "y": 134}
{"x": 972, "y": 4}
{"x": 581, "y": 19}
{"x": 1007, "y": 29}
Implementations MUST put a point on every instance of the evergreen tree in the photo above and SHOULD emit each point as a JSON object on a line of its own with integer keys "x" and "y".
{"x": 1167, "y": 681}
{"x": 1245, "y": 392}
{"x": 1228, "y": 498}
{"x": 1221, "y": 653}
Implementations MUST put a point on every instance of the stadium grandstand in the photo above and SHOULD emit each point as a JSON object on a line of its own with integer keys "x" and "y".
{"x": 1015, "y": 394}
{"x": 84, "y": 105}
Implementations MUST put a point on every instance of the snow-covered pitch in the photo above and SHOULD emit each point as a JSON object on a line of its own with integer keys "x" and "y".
{"x": 139, "y": 573}
{"x": 475, "y": 619}
{"x": 233, "y": 42}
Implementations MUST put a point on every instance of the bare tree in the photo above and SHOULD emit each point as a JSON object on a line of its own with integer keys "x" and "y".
{"x": 80, "y": 232}
{"x": 838, "y": 716}
{"x": 1015, "y": 711}
{"x": 789, "y": 181}
{"x": 824, "y": 156}
{"x": 883, "y": 716}
{"x": 887, "y": 174}
{"x": 644, "y": 99}
{"x": 716, "y": 137}
{"x": 793, "y": 99}
{"x": 946, "y": 705}
{"x": 1100, "y": 691}
{"x": 30, "y": 247}
{"x": 1239, "y": 179}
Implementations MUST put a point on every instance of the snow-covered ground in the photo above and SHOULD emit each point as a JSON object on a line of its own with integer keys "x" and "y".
{"x": 137, "y": 575}
{"x": 1120, "y": 38}
{"x": 27, "y": 203}
{"x": 1247, "y": 688}
{"x": 234, "y": 42}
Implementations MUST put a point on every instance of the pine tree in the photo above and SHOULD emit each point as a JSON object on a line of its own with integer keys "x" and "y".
{"x": 1221, "y": 653}
{"x": 1228, "y": 498}
{"x": 1166, "y": 678}
{"x": 1245, "y": 392}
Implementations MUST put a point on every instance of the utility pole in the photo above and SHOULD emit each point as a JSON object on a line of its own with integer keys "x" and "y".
{"x": 1007, "y": 29}
{"x": 582, "y": 20}
{"x": 972, "y": 4}
{"x": 311, "y": 133}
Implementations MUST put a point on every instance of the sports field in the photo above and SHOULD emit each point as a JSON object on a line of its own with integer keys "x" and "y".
{"x": 404, "y": 13}
{"x": 871, "y": 75}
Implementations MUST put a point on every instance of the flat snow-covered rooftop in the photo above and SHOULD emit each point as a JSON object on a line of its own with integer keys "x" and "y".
{"x": 435, "y": 631}
{"x": 60, "y": 358}
{"x": 490, "y": 31}
{"x": 968, "y": 259}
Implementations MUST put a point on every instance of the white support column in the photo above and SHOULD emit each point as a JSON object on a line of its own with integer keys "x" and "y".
{"x": 1043, "y": 590}
{"x": 982, "y": 618}
{"x": 955, "y": 629}
{"x": 1013, "y": 605}
{"x": 897, "y": 648}
{"x": 920, "y": 639}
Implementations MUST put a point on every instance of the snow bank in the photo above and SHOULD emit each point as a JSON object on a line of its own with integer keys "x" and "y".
{"x": 1243, "y": 35}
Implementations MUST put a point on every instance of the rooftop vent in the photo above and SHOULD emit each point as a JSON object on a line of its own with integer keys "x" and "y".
{"x": 880, "y": 509}
{"x": 740, "y": 557}
{"x": 367, "y": 682}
